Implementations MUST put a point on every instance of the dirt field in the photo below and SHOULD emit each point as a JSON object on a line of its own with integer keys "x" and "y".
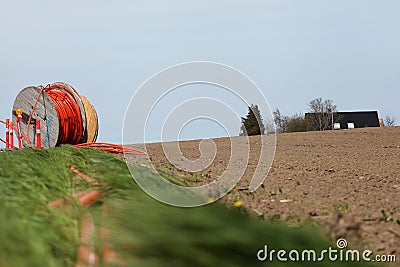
{"x": 347, "y": 181}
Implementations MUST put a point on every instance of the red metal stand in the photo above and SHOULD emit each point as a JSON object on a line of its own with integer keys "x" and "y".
{"x": 19, "y": 118}
{"x": 7, "y": 133}
{"x": 38, "y": 137}
{"x": 11, "y": 145}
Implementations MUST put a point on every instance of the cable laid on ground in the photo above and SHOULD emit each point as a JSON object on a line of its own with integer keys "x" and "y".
{"x": 112, "y": 148}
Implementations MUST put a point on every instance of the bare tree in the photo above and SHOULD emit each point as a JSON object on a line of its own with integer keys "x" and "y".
{"x": 280, "y": 121}
{"x": 269, "y": 127}
{"x": 389, "y": 121}
{"x": 322, "y": 112}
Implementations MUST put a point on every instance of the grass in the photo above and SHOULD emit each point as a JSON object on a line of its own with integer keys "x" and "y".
{"x": 174, "y": 177}
{"x": 343, "y": 207}
{"x": 143, "y": 231}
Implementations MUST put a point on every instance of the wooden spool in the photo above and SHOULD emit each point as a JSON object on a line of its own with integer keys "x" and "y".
{"x": 92, "y": 122}
{"x": 46, "y": 112}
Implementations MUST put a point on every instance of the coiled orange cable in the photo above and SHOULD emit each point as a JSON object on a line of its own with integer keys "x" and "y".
{"x": 69, "y": 113}
{"x": 70, "y": 120}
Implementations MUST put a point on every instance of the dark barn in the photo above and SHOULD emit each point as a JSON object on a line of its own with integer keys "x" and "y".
{"x": 359, "y": 118}
{"x": 351, "y": 119}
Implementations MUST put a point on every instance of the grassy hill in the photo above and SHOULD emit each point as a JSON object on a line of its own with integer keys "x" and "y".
{"x": 143, "y": 231}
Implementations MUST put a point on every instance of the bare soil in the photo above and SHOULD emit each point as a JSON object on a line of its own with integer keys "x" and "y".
{"x": 346, "y": 181}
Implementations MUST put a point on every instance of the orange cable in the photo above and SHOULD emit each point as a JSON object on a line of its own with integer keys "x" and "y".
{"x": 112, "y": 148}
{"x": 69, "y": 113}
{"x": 68, "y": 109}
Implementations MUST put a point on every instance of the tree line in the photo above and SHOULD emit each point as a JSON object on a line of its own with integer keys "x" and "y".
{"x": 320, "y": 118}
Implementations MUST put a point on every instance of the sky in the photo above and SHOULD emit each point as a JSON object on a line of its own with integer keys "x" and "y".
{"x": 295, "y": 51}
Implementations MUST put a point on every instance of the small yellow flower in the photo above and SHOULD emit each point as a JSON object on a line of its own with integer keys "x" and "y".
{"x": 210, "y": 200}
{"x": 238, "y": 204}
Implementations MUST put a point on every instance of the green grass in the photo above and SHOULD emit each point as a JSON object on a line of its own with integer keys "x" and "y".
{"x": 143, "y": 231}
{"x": 343, "y": 207}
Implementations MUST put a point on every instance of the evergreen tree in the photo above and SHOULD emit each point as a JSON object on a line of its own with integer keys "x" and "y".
{"x": 253, "y": 123}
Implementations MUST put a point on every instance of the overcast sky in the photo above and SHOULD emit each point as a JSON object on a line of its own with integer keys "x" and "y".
{"x": 295, "y": 50}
